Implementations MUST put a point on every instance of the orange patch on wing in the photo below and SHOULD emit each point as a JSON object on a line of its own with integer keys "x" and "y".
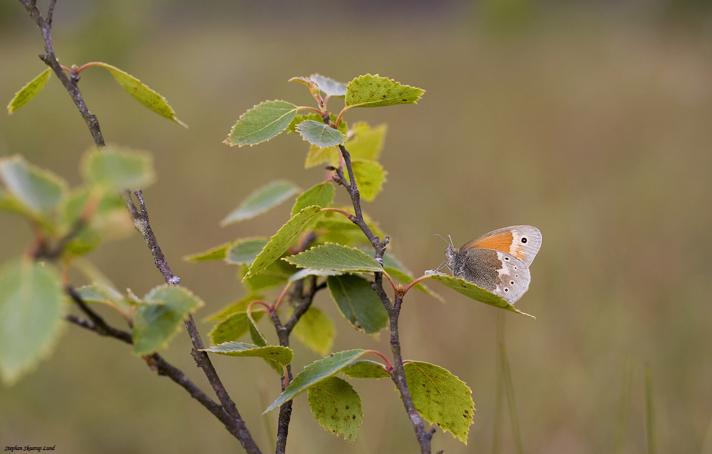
{"x": 500, "y": 242}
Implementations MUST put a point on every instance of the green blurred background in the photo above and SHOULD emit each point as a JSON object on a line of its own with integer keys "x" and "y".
{"x": 591, "y": 120}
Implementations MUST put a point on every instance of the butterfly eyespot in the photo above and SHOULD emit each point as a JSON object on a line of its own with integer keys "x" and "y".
{"x": 506, "y": 289}
{"x": 516, "y": 275}
{"x": 511, "y": 282}
{"x": 515, "y": 267}
{"x": 524, "y": 239}
{"x": 506, "y": 258}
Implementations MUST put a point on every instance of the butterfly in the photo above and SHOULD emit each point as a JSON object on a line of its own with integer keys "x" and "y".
{"x": 498, "y": 261}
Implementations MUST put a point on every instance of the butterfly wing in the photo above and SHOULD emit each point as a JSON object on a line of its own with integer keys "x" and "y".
{"x": 499, "y": 272}
{"x": 521, "y": 241}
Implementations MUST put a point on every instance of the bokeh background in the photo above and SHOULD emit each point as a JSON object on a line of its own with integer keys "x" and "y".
{"x": 591, "y": 120}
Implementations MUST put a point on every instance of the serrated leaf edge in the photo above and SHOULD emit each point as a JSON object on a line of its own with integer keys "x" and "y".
{"x": 229, "y": 143}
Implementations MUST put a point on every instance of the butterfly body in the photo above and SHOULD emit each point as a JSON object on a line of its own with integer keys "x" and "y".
{"x": 498, "y": 261}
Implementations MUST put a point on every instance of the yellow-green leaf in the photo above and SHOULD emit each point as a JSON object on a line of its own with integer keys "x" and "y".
{"x": 375, "y": 91}
{"x": 441, "y": 398}
{"x": 370, "y": 176}
{"x": 472, "y": 291}
{"x": 271, "y": 353}
{"x": 315, "y": 330}
{"x": 233, "y": 308}
{"x": 335, "y": 257}
{"x": 233, "y": 327}
{"x": 285, "y": 236}
{"x": 337, "y": 407}
{"x": 142, "y": 93}
{"x": 321, "y": 194}
{"x": 316, "y": 372}
{"x": 29, "y": 91}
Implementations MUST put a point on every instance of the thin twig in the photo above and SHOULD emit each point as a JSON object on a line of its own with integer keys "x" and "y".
{"x": 141, "y": 219}
{"x": 301, "y": 302}
{"x": 393, "y": 309}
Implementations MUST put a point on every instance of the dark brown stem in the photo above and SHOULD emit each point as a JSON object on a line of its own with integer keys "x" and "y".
{"x": 398, "y": 376}
{"x": 98, "y": 325}
{"x": 140, "y": 216}
{"x": 393, "y": 309}
{"x": 301, "y": 303}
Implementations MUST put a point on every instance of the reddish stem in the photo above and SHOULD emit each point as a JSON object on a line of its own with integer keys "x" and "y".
{"x": 280, "y": 298}
{"x": 413, "y": 283}
{"x": 266, "y": 305}
{"x": 387, "y": 362}
{"x": 78, "y": 69}
{"x": 344, "y": 213}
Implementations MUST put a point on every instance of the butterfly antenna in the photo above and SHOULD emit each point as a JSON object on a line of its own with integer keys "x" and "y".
{"x": 451, "y": 243}
{"x": 441, "y": 237}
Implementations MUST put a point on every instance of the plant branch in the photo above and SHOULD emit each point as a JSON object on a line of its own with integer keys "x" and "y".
{"x": 301, "y": 302}
{"x": 393, "y": 309}
{"x": 140, "y": 216}
{"x": 156, "y": 362}
{"x": 424, "y": 436}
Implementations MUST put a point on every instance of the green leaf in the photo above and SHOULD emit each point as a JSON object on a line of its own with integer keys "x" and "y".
{"x": 365, "y": 142}
{"x": 335, "y": 257}
{"x": 142, "y": 93}
{"x": 262, "y": 200}
{"x": 214, "y": 253}
{"x": 110, "y": 219}
{"x": 292, "y": 128}
{"x": 306, "y": 272}
{"x": 273, "y": 353}
{"x": 370, "y": 176}
{"x": 375, "y": 91}
{"x": 321, "y": 194}
{"x": 334, "y": 227}
{"x": 233, "y": 308}
{"x": 160, "y": 316}
{"x": 244, "y": 251}
{"x": 103, "y": 294}
{"x": 358, "y": 302}
{"x": 31, "y": 314}
{"x": 316, "y": 372}
{"x": 337, "y": 407}
{"x": 276, "y": 274}
{"x": 315, "y": 330}
{"x": 118, "y": 168}
{"x": 474, "y": 292}
{"x": 316, "y": 156}
{"x": 399, "y": 272}
{"x": 39, "y": 191}
{"x": 285, "y": 236}
{"x": 320, "y": 134}
{"x": 233, "y": 327}
{"x": 441, "y": 398}
{"x": 29, "y": 91}
{"x": 328, "y": 86}
{"x": 256, "y": 335}
{"x": 366, "y": 368}
{"x": 261, "y": 123}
